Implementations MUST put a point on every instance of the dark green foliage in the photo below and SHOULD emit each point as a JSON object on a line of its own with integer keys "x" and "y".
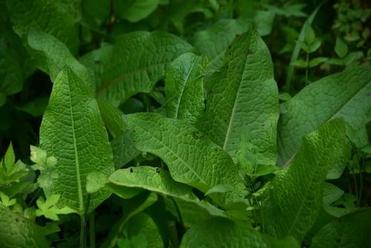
{"x": 185, "y": 123}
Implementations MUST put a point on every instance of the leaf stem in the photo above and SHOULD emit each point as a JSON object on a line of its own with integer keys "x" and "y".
{"x": 82, "y": 231}
{"x": 92, "y": 230}
{"x": 307, "y": 69}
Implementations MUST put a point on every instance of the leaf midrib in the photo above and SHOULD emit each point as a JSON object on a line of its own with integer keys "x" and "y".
{"x": 183, "y": 88}
{"x": 77, "y": 163}
{"x": 234, "y": 105}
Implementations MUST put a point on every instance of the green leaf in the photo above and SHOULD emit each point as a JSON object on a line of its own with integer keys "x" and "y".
{"x": 123, "y": 150}
{"x": 291, "y": 202}
{"x": 309, "y": 35}
{"x": 264, "y": 22}
{"x": 95, "y": 12}
{"x": 296, "y": 52}
{"x": 152, "y": 179}
{"x": 213, "y": 41}
{"x": 218, "y": 232}
{"x": 184, "y": 88}
{"x": 17, "y": 231}
{"x": 52, "y": 17}
{"x": 317, "y": 61}
{"x": 46, "y": 165}
{"x": 300, "y": 63}
{"x": 149, "y": 178}
{"x": 136, "y": 62}
{"x": 131, "y": 208}
{"x": 6, "y": 201}
{"x": 49, "y": 208}
{"x": 342, "y": 95}
{"x": 192, "y": 159}
{"x": 52, "y": 56}
{"x": 73, "y": 132}
{"x": 331, "y": 194}
{"x": 140, "y": 232}
{"x": 112, "y": 118}
{"x": 9, "y": 158}
{"x": 11, "y": 172}
{"x": 349, "y": 231}
{"x": 341, "y": 48}
{"x": 219, "y": 189}
{"x": 135, "y": 10}
{"x": 242, "y": 100}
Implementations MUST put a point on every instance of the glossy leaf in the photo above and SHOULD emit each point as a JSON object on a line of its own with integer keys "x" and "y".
{"x": 242, "y": 100}
{"x": 137, "y": 61}
{"x": 73, "y": 132}
{"x": 292, "y": 201}
{"x": 191, "y": 158}
{"x": 152, "y": 179}
{"x": 184, "y": 88}
{"x": 342, "y": 95}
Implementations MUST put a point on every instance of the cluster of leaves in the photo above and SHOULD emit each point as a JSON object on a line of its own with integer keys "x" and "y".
{"x": 166, "y": 127}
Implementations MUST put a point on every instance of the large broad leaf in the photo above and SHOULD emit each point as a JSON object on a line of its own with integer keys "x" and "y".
{"x": 223, "y": 233}
{"x": 72, "y": 131}
{"x": 242, "y": 100}
{"x": 191, "y": 158}
{"x": 52, "y": 55}
{"x": 136, "y": 62}
{"x": 192, "y": 210}
{"x": 16, "y": 231}
{"x": 213, "y": 41}
{"x": 152, "y": 179}
{"x": 135, "y": 10}
{"x": 342, "y": 95}
{"x": 293, "y": 199}
{"x": 184, "y": 88}
{"x": 53, "y": 17}
{"x": 350, "y": 231}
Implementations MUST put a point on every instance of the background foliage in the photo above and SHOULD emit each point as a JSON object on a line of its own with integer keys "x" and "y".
{"x": 259, "y": 123}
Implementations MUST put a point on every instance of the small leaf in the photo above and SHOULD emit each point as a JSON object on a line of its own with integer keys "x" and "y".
{"x": 49, "y": 208}
{"x": 314, "y": 46}
{"x": 341, "y": 48}
{"x": 6, "y": 201}
{"x": 9, "y": 158}
{"x": 309, "y": 35}
{"x": 317, "y": 61}
{"x": 300, "y": 63}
